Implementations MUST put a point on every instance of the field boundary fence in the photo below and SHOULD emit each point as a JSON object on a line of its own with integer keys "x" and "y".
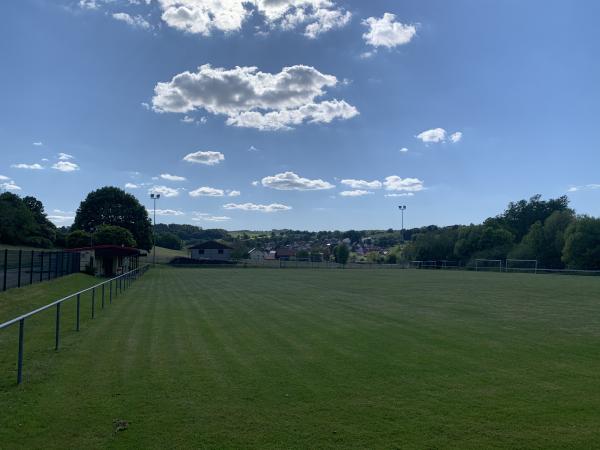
{"x": 102, "y": 293}
{"x": 25, "y": 267}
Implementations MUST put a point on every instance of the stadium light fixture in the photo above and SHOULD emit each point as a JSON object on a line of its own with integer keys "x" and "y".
{"x": 154, "y": 197}
{"x": 402, "y": 208}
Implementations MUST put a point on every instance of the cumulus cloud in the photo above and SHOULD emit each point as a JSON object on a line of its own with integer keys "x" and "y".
{"x": 203, "y": 217}
{"x": 289, "y": 181}
{"x": 208, "y": 158}
{"x": 167, "y": 212}
{"x": 234, "y": 193}
{"x": 9, "y": 185}
{"x": 207, "y": 192}
{"x": 253, "y": 99}
{"x": 274, "y": 207}
{"x": 456, "y": 137}
{"x": 396, "y": 183}
{"x": 362, "y": 184}
{"x": 206, "y": 16}
{"x": 64, "y": 156}
{"x": 403, "y": 194}
{"x": 27, "y": 166}
{"x": 355, "y": 193}
{"x": 65, "y": 166}
{"x": 387, "y": 32}
{"x": 585, "y": 187}
{"x": 38, "y": 144}
{"x": 60, "y": 217}
{"x": 4, "y": 178}
{"x": 164, "y": 191}
{"x": 134, "y": 21}
{"x": 439, "y": 135}
{"x": 169, "y": 177}
{"x": 403, "y": 150}
{"x": 131, "y": 186}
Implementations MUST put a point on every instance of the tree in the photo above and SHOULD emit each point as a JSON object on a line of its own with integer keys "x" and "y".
{"x": 168, "y": 240}
{"x": 113, "y": 206}
{"x": 302, "y": 255}
{"x": 341, "y": 254}
{"x": 113, "y": 235}
{"x": 47, "y": 229}
{"x": 18, "y": 225}
{"x": 78, "y": 239}
{"x": 391, "y": 259}
{"x": 582, "y": 244}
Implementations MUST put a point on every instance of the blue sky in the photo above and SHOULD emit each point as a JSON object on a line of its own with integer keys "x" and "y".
{"x": 295, "y": 116}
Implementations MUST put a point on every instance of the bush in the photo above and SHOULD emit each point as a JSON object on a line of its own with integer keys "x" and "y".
{"x": 113, "y": 235}
{"x": 78, "y": 239}
{"x": 168, "y": 240}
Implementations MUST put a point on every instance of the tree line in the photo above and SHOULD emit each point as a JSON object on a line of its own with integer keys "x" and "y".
{"x": 545, "y": 230}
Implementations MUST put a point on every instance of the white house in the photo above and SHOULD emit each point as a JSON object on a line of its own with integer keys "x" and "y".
{"x": 257, "y": 255}
{"x": 211, "y": 250}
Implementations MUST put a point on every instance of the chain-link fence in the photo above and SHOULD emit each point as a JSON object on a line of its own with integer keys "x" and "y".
{"x": 24, "y": 267}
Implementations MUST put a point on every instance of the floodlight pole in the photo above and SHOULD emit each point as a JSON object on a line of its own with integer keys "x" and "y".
{"x": 154, "y": 197}
{"x": 402, "y": 208}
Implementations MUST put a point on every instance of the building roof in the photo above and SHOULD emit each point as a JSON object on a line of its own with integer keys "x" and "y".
{"x": 211, "y": 245}
{"x": 108, "y": 250}
{"x": 285, "y": 252}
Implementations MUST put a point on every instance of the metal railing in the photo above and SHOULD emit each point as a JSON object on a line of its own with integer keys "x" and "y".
{"x": 120, "y": 283}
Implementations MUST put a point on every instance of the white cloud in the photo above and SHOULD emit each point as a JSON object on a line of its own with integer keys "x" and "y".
{"x": 395, "y": 183}
{"x": 202, "y": 217}
{"x": 456, "y": 137}
{"x": 362, "y": 184}
{"x": 9, "y": 186}
{"x": 274, "y": 207}
{"x": 289, "y": 181}
{"x": 131, "y": 186}
{"x": 164, "y": 191}
{"x": 234, "y": 193}
{"x": 255, "y": 183}
{"x": 207, "y": 192}
{"x": 27, "y": 166}
{"x": 206, "y": 16}
{"x": 135, "y": 21}
{"x": 38, "y": 144}
{"x": 145, "y": 105}
{"x": 435, "y": 135}
{"x": 252, "y": 148}
{"x": 386, "y": 32}
{"x": 253, "y": 99}
{"x": 585, "y": 187}
{"x": 4, "y": 178}
{"x": 404, "y": 194}
{"x": 169, "y": 177}
{"x": 166, "y": 212}
{"x": 65, "y": 166}
{"x": 64, "y": 156}
{"x": 403, "y": 150}
{"x": 88, "y": 4}
{"x": 355, "y": 193}
{"x": 208, "y": 158}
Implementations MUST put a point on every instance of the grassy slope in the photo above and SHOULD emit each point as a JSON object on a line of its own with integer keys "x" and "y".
{"x": 164, "y": 255}
{"x": 305, "y": 359}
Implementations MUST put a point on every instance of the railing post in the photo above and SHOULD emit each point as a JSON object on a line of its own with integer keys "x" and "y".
{"x": 57, "y": 333}
{"x": 78, "y": 309}
{"x": 5, "y": 267}
{"x": 31, "y": 273}
{"x": 102, "y": 296}
{"x": 20, "y": 357}
{"x": 110, "y": 292}
{"x": 93, "y": 303}
{"x": 19, "y": 275}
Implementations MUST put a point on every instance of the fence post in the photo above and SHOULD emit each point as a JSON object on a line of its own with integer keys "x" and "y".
{"x": 78, "y": 308}
{"x": 56, "y": 265}
{"x": 31, "y": 273}
{"x": 19, "y": 275}
{"x": 5, "y": 267}
{"x": 57, "y": 333}
{"x": 110, "y": 292}
{"x": 93, "y": 303}
{"x": 102, "y": 296}
{"x": 41, "y": 266}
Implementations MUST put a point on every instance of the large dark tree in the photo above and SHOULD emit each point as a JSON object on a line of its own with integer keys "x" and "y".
{"x": 113, "y": 206}
{"x": 47, "y": 229}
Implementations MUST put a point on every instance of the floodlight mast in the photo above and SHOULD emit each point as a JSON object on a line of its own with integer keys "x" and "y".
{"x": 402, "y": 208}
{"x": 154, "y": 197}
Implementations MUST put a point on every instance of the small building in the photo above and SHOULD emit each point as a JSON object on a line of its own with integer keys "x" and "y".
{"x": 257, "y": 255}
{"x": 107, "y": 260}
{"x": 271, "y": 255}
{"x": 211, "y": 250}
{"x": 285, "y": 253}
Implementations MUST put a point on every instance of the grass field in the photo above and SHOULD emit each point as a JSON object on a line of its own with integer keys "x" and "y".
{"x": 164, "y": 255}
{"x": 233, "y": 358}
